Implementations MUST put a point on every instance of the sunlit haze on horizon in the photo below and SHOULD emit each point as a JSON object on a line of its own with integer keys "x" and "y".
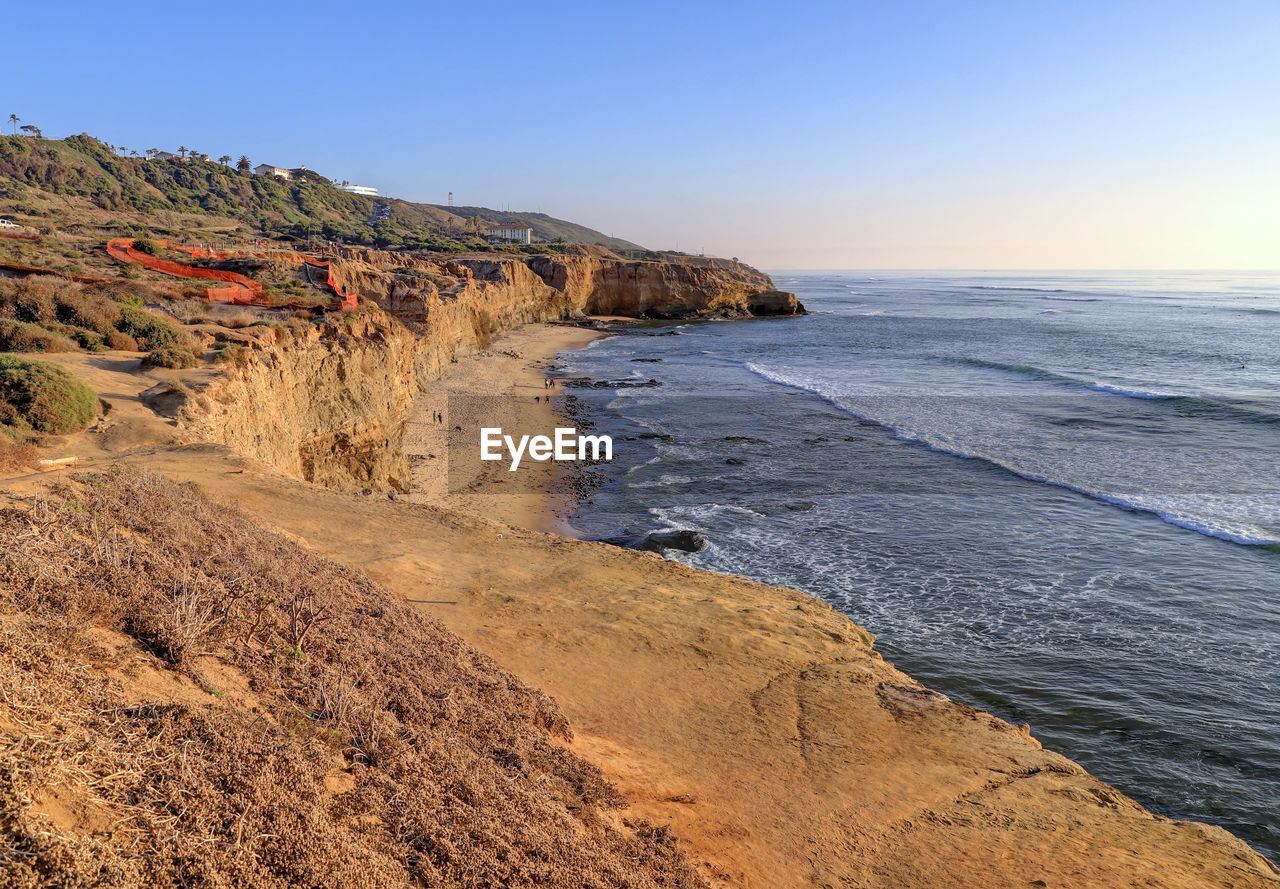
{"x": 806, "y": 135}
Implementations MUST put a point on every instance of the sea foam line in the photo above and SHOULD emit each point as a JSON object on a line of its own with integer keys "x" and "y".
{"x": 1243, "y": 535}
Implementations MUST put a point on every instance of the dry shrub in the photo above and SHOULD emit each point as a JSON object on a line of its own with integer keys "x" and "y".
{"x": 16, "y": 455}
{"x": 19, "y": 336}
{"x": 43, "y": 299}
{"x": 239, "y": 320}
{"x": 233, "y": 354}
{"x": 121, "y": 342}
{"x": 175, "y": 357}
{"x": 454, "y": 779}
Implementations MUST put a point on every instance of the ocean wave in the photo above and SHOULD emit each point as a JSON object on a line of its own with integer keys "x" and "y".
{"x": 1020, "y": 289}
{"x": 1233, "y": 531}
{"x": 1025, "y": 370}
{"x": 1129, "y": 392}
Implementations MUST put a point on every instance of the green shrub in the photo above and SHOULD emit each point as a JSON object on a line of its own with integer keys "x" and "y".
{"x": 176, "y": 357}
{"x": 44, "y": 397}
{"x": 19, "y": 336}
{"x": 145, "y": 245}
{"x": 88, "y": 339}
{"x": 149, "y": 329}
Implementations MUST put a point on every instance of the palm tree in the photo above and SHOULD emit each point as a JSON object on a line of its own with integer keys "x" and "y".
{"x": 182, "y": 150}
{"x": 121, "y": 149}
{"x": 225, "y": 159}
{"x": 13, "y": 119}
{"x": 152, "y": 152}
{"x": 243, "y": 164}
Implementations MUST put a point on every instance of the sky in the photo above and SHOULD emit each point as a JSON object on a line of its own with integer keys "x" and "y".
{"x": 885, "y": 135}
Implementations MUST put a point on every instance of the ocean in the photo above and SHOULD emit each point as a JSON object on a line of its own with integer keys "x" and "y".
{"x": 1054, "y": 496}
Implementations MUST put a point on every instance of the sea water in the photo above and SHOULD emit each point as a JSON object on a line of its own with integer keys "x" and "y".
{"x": 1055, "y": 496}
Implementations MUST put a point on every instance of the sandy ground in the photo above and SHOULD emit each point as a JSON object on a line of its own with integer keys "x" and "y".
{"x": 508, "y": 378}
{"x": 758, "y": 723}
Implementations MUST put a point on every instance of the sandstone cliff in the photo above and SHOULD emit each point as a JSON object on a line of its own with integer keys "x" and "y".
{"x": 562, "y": 286}
{"x": 328, "y": 403}
{"x": 325, "y": 403}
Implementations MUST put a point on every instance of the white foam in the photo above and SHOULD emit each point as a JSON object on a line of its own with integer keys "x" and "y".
{"x": 1129, "y": 392}
{"x": 1179, "y": 514}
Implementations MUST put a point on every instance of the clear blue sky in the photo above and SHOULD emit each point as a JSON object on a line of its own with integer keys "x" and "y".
{"x": 858, "y": 134}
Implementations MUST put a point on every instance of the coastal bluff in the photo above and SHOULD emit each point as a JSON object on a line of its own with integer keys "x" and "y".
{"x": 752, "y": 725}
{"x": 328, "y": 402}
{"x": 411, "y": 286}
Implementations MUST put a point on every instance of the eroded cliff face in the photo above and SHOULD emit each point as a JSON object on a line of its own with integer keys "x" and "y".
{"x": 561, "y": 286}
{"x": 699, "y": 288}
{"x": 328, "y": 403}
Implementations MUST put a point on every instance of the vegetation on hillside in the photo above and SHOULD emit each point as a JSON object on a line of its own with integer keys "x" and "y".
{"x": 47, "y": 314}
{"x": 333, "y": 735}
{"x": 306, "y": 207}
{"x": 37, "y": 395}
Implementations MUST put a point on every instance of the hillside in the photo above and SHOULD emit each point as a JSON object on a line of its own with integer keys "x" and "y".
{"x": 32, "y": 171}
{"x": 545, "y": 228}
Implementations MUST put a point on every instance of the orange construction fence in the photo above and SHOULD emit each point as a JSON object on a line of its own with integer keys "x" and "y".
{"x": 244, "y": 290}
{"x": 35, "y": 270}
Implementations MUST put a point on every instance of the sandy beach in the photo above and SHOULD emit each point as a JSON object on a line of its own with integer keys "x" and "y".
{"x": 512, "y": 368}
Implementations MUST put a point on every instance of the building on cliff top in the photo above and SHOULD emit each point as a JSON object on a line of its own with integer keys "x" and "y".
{"x": 510, "y": 233}
{"x": 268, "y": 170}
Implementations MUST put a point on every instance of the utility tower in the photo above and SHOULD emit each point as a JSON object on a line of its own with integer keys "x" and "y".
{"x": 450, "y": 199}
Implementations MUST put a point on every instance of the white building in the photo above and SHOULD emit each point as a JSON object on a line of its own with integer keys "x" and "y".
{"x": 510, "y": 233}
{"x": 268, "y": 170}
{"x": 360, "y": 189}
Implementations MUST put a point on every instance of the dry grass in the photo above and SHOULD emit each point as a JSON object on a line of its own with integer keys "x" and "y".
{"x": 238, "y": 320}
{"x": 449, "y": 772}
{"x": 15, "y": 454}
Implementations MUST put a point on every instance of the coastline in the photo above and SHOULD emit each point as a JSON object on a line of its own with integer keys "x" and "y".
{"x": 513, "y": 366}
{"x": 758, "y": 725}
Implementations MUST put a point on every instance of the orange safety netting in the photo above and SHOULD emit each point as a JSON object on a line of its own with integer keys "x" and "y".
{"x": 36, "y": 270}
{"x": 20, "y": 236}
{"x": 244, "y": 290}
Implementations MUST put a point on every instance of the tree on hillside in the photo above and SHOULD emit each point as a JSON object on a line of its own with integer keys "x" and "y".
{"x": 152, "y": 152}
{"x": 182, "y": 151}
{"x": 13, "y": 119}
{"x": 243, "y": 164}
{"x": 121, "y": 149}
{"x": 32, "y": 130}
{"x": 225, "y": 159}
